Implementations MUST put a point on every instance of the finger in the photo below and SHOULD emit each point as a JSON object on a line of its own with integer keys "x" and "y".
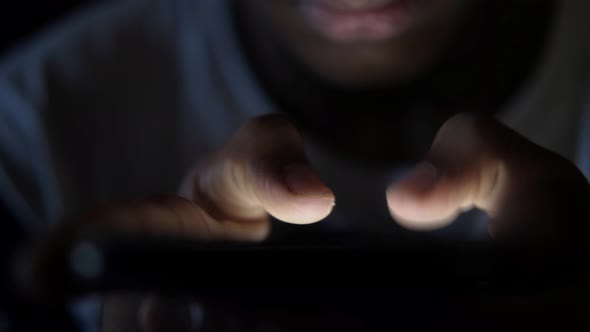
{"x": 159, "y": 314}
{"x": 124, "y": 311}
{"x": 477, "y": 162}
{"x": 41, "y": 259}
{"x": 262, "y": 170}
{"x": 170, "y": 215}
{"x": 119, "y": 312}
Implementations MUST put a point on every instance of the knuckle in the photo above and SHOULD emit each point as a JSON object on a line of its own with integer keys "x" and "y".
{"x": 202, "y": 224}
{"x": 160, "y": 218}
{"x": 194, "y": 221}
{"x": 236, "y": 182}
{"x": 173, "y": 215}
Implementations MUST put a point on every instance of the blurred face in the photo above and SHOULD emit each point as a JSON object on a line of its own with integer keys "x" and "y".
{"x": 360, "y": 42}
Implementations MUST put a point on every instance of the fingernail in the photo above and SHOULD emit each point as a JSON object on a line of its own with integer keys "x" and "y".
{"x": 302, "y": 180}
{"x": 422, "y": 177}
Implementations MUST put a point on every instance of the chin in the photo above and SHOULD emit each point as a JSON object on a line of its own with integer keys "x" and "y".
{"x": 368, "y": 65}
{"x": 369, "y": 73}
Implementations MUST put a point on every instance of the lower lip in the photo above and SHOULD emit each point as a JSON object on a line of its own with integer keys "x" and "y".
{"x": 359, "y": 25}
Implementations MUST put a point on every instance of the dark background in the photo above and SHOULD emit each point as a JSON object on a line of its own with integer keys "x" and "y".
{"x": 23, "y": 19}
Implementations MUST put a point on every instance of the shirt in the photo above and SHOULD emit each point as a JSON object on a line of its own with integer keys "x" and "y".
{"x": 120, "y": 100}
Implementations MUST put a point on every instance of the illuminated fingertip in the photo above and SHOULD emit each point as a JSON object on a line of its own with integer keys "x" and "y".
{"x": 413, "y": 216}
{"x": 304, "y": 210}
{"x": 424, "y": 225}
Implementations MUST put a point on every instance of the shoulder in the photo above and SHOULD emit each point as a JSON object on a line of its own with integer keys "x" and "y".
{"x": 95, "y": 24}
{"x": 79, "y": 86}
{"x": 98, "y": 41}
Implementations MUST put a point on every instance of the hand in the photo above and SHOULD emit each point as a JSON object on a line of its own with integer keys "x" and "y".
{"x": 261, "y": 170}
{"x": 529, "y": 193}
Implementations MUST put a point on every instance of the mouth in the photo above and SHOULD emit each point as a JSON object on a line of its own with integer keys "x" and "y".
{"x": 360, "y": 20}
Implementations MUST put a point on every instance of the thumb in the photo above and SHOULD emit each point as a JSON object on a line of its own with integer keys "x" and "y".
{"x": 262, "y": 170}
{"x": 478, "y": 162}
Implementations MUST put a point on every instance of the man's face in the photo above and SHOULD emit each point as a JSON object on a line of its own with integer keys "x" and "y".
{"x": 360, "y": 42}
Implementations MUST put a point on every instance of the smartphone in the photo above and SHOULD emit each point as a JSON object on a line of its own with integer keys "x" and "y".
{"x": 314, "y": 262}
{"x": 383, "y": 281}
